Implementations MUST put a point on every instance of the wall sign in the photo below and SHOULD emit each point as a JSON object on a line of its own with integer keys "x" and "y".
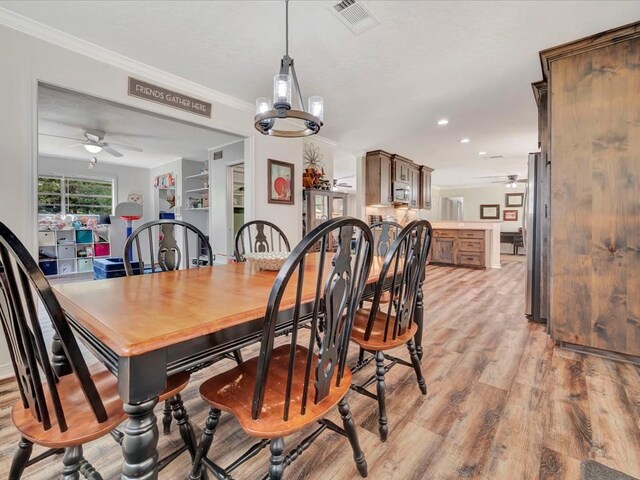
{"x": 154, "y": 93}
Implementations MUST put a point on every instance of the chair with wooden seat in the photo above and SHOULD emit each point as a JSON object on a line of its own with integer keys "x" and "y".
{"x": 383, "y": 327}
{"x": 169, "y": 238}
{"x": 56, "y": 412}
{"x": 296, "y": 384}
{"x": 259, "y": 236}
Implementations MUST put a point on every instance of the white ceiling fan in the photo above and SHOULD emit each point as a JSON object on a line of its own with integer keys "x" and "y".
{"x": 338, "y": 184}
{"x": 93, "y": 142}
{"x": 511, "y": 181}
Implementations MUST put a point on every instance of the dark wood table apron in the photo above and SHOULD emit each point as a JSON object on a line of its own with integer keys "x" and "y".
{"x": 142, "y": 376}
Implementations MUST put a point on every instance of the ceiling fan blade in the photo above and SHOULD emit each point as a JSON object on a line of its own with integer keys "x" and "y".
{"x": 110, "y": 150}
{"x": 125, "y": 147}
{"x": 62, "y": 136}
{"x": 76, "y": 145}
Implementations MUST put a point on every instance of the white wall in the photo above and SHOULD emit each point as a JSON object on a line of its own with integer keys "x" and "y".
{"x": 58, "y": 59}
{"x": 287, "y": 217}
{"x": 220, "y": 225}
{"x": 476, "y": 196}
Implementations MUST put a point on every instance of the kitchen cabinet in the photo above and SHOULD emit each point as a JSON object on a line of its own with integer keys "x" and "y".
{"x": 414, "y": 186}
{"x": 425, "y": 187}
{"x": 378, "y": 173}
{"x": 395, "y": 180}
{"x": 464, "y": 248}
{"x": 401, "y": 168}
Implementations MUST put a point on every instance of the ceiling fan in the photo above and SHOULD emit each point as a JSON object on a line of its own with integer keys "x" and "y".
{"x": 511, "y": 181}
{"x": 340, "y": 184}
{"x": 93, "y": 142}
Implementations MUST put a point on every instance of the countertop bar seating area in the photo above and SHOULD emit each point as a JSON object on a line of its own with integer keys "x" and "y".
{"x": 427, "y": 268}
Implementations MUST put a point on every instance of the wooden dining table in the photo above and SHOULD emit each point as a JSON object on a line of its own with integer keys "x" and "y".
{"x": 146, "y": 327}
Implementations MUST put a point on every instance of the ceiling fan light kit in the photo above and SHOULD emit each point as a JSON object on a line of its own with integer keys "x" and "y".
{"x": 283, "y": 83}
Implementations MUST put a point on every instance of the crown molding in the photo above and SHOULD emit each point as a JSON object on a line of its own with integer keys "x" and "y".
{"x": 49, "y": 34}
{"x": 91, "y": 50}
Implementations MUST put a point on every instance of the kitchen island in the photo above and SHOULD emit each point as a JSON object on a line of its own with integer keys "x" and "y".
{"x": 466, "y": 244}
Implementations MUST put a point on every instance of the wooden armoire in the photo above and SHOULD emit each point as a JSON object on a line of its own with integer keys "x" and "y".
{"x": 589, "y": 105}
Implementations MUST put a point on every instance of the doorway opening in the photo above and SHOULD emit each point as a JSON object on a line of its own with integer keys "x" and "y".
{"x": 94, "y": 154}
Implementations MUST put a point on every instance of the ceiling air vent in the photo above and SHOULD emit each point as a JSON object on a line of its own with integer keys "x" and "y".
{"x": 355, "y": 15}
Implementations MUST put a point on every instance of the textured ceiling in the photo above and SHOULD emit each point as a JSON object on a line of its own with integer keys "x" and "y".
{"x": 472, "y": 62}
{"x": 65, "y": 113}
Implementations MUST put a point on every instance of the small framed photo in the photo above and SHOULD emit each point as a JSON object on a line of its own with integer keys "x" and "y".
{"x": 490, "y": 212}
{"x": 281, "y": 178}
{"x": 510, "y": 215}
{"x": 514, "y": 200}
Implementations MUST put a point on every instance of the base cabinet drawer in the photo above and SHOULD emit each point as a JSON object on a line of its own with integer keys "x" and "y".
{"x": 471, "y": 259}
{"x": 444, "y": 234}
{"x": 473, "y": 245}
{"x": 470, "y": 233}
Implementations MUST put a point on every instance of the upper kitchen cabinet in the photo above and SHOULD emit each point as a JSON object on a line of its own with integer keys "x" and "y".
{"x": 425, "y": 187}
{"x": 378, "y": 172}
{"x": 396, "y": 180}
{"x": 414, "y": 186}
{"x": 401, "y": 168}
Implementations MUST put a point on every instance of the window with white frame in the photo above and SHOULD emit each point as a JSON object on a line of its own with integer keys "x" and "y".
{"x": 74, "y": 195}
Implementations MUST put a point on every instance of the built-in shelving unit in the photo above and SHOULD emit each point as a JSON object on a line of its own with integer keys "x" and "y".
{"x": 198, "y": 196}
{"x": 63, "y": 252}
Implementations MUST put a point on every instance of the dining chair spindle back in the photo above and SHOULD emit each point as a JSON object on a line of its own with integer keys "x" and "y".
{"x": 170, "y": 245}
{"x": 259, "y": 236}
{"x": 292, "y": 385}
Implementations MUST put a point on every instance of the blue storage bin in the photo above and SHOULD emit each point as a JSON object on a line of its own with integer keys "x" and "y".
{"x": 112, "y": 268}
{"x": 84, "y": 236}
{"x": 49, "y": 267}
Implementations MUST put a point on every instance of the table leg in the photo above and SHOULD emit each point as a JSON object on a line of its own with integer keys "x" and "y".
{"x": 419, "y": 319}
{"x": 139, "y": 445}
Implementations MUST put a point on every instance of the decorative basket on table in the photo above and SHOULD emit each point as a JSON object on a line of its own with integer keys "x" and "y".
{"x": 267, "y": 260}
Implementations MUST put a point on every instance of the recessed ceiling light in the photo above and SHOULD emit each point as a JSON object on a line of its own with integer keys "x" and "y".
{"x": 465, "y": 140}
{"x": 482, "y": 153}
{"x": 443, "y": 121}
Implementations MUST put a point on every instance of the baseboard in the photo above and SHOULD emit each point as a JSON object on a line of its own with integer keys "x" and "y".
{"x": 6, "y": 371}
{"x": 618, "y": 357}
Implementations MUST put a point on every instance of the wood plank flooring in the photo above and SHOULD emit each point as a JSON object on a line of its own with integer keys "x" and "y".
{"x": 503, "y": 403}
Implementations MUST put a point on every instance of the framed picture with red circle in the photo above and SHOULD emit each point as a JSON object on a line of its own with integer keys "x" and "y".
{"x": 281, "y": 182}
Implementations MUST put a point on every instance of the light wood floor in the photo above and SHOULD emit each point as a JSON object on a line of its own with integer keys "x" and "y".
{"x": 503, "y": 403}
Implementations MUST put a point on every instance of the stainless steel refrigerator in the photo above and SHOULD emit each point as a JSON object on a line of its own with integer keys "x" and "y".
{"x": 536, "y": 238}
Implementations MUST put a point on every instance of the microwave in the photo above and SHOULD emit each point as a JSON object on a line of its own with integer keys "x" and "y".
{"x": 401, "y": 192}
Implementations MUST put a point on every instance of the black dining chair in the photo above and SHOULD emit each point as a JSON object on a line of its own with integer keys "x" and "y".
{"x": 294, "y": 385}
{"x": 383, "y": 327}
{"x": 259, "y": 236}
{"x": 58, "y": 412}
{"x": 161, "y": 250}
{"x": 384, "y": 233}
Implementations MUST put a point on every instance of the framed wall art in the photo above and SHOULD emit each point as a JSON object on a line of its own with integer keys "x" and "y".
{"x": 514, "y": 200}
{"x": 281, "y": 177}
{"x": 510, "y": 215}
{"x": 490, "y": 212}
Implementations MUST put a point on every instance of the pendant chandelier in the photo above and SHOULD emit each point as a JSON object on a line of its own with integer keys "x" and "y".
{"x": 267, "y": 112}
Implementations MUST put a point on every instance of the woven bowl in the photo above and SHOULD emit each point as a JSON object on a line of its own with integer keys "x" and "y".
{"x": 267, "y": 260}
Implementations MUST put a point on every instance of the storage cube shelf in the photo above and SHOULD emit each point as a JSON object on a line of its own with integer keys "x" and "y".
{"x": 63, "y": 252}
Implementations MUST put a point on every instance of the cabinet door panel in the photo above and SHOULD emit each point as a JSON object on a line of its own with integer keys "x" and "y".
{"x": 443, "y": 250}
{"x": 386, "y": 197}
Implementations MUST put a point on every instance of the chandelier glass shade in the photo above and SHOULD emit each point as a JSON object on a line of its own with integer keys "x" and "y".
{"x": 267, "y": 112}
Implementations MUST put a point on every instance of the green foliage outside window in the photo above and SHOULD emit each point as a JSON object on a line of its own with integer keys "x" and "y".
{"x": 78, "y": 196}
